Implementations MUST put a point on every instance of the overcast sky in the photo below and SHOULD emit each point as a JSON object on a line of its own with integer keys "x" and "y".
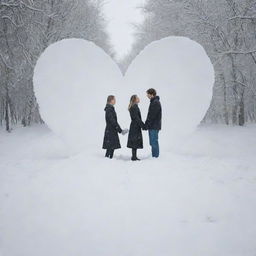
{"x": 120, "y": 14}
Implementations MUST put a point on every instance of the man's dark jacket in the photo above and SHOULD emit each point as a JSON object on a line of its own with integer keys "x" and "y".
{"x": 111, "y": 138}
{"x": 154, "y": 118}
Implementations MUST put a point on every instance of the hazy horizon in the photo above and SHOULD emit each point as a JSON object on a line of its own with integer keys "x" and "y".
{"x": 121, "y": 14}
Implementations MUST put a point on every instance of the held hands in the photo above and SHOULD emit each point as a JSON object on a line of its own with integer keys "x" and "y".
{"x": 144, "y": 128}
{"x": 124, "y": 131}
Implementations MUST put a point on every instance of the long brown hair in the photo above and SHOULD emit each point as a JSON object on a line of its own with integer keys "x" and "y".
{"x": 132, "y": 101}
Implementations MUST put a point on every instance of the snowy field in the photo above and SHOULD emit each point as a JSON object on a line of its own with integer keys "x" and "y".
{"x": 198, "y": 200}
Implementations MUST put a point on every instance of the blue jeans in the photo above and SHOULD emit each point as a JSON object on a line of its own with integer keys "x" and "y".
{"x": 153, "y": 141}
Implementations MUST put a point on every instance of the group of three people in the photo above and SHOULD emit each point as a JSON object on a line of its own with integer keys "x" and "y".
{"x": 135, "y": 139}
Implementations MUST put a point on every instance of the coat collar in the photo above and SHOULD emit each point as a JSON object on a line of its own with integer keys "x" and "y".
{"x": 155, "y": 98}
{"x": 109, "y": 106}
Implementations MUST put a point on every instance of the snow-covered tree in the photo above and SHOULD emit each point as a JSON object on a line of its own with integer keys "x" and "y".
{"x": 27, "y": 27}
{"x": 226, "y": 29}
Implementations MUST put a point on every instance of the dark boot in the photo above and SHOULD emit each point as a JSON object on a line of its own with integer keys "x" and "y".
{"x": 109, "y": 153}
{"x": 134, "y": 155}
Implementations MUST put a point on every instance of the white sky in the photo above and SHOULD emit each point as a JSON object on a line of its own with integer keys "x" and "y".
{"x": 120, "y": 15}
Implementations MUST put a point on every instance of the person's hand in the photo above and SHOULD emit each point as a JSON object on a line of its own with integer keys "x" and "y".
{"x": 124, "y": 131}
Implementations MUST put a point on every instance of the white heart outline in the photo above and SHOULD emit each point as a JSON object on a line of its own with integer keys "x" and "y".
{"x": 117, "y": 91}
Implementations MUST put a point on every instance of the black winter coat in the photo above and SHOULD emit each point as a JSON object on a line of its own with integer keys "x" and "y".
{"x": 135, "y": 139}
{"x": 154, "y": 118}
{"x": 111, "y": 138}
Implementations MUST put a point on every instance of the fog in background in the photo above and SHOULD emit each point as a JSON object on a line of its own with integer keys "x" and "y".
{"x": 121, "y": 15}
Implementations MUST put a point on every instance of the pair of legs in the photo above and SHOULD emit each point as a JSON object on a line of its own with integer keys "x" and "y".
{"x": 153, "y": 141}
{"x": 110, "y": 153}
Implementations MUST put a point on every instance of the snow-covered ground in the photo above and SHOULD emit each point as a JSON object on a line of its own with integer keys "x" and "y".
{"x": 197, "y": 200}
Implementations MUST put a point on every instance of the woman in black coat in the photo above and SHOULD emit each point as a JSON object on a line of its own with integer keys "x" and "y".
{"x": 111, "y": 138}
{"x": 135, "y": 139}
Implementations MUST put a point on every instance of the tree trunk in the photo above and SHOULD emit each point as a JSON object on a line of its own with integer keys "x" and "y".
{"x": 7, "y": 116}
{"x": 225, "y": 99}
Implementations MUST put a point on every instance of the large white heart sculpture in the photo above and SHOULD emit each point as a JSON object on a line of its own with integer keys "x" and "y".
{"x": 73, "y": 78}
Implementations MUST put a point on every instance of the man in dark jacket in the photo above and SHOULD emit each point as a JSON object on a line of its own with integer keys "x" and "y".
{"x": 154, "y": 121}
{"x": 111, "y": 138}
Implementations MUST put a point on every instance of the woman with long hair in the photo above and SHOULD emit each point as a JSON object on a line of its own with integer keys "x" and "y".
{"x": 111, "y": 138}
{"x": 135, "y": 139}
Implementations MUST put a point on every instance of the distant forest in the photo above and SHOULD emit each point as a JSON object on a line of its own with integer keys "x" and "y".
{"x": 225, "y": 28}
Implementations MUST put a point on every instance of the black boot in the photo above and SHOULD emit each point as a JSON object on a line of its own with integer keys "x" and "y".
{"x": 134, "y": 155}
{"x": 109, "y": 153}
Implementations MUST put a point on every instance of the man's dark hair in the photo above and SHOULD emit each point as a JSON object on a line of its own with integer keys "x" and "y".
{"x": 110, "y": 98}
{"x": 151, "y": 91}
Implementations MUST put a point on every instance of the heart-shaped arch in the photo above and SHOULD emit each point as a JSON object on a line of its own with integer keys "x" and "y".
{"x": 73, "y": 78}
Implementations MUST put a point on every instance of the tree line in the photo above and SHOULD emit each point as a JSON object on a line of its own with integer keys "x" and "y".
{"x": 225, "y": 28}
{"x": 227, "y": 31}
{"x": 27, "y": 27}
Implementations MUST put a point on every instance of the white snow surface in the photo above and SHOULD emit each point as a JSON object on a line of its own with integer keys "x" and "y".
{"x": 73, "y": 78}
{"x": 199, "y": 200}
